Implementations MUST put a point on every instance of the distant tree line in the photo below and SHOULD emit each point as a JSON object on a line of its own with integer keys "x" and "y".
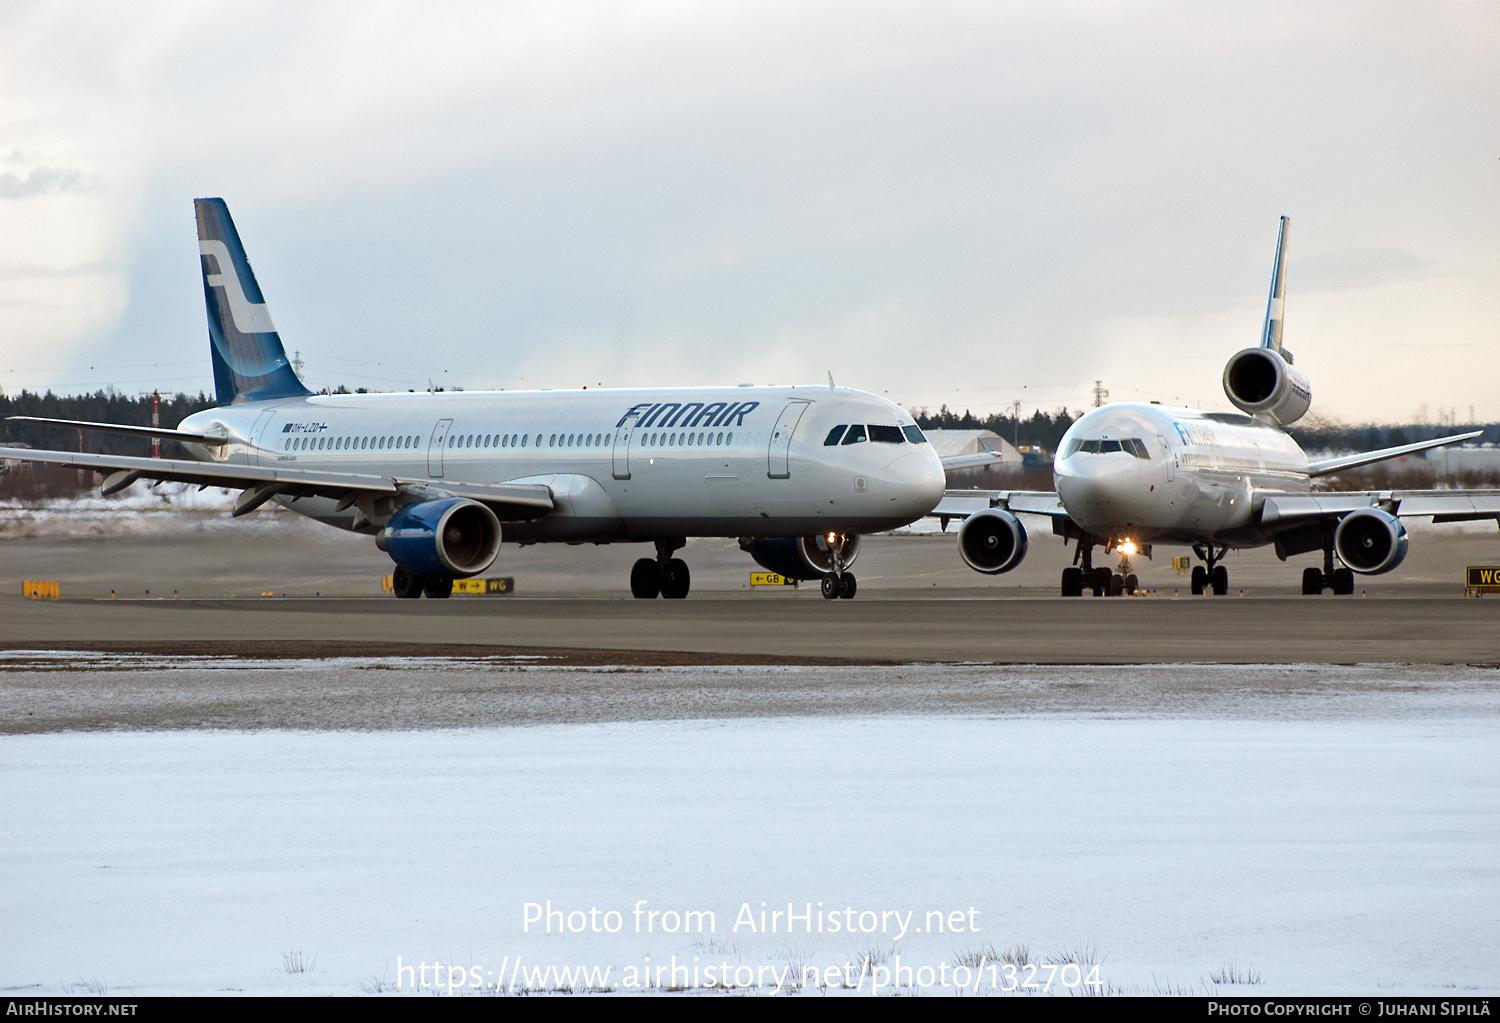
{"x": 1041, "y": 430}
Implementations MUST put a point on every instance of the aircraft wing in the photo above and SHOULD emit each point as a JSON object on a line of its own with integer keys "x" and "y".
{"x": 960, "y": 504}
{"x": 1287, "y": 511}
{"x": 1329, "y": 466}
{"x": 973, "y": 459}
{"x": 261, "y": 483}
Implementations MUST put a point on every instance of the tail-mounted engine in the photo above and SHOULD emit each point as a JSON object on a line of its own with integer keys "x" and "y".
{"x": 1261, "y": 381}
{"x": 801, "y": 557}
{"x": 454, "y": 537}
{"x": 992, "y": 541}
{"x": 1370, "y": 541}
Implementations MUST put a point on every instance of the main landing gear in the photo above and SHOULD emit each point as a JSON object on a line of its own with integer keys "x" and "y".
{"x": 1339, "y": 580}
{"x": 409, "y": 585}
{"x": 838, "y": 584}
{"x": 666, "y": 576}
{"x": 1084, "y": 576}
{"x": 1214, "y": 575}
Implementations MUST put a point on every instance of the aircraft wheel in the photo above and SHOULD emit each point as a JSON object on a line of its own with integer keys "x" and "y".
{"x": 1312, "y": 582}
{"x": 1343, "y": 582}
{"x": 406, "y": 583}
{"x": 1132, "y": 584}
{"x": 645, "y": 579}
{"x": 438, "y": 589}
{"x": 1116, "y": 584}
{"x": 847, "y": 586}
{"x": 1072, "y": 582}
{"x": 676, "y": 580}
{"x": 830, "y": 587}
{"x": 1101, "y": 581}
{"x": 1200, "y": 580}
{"x": 1220, "y": 580}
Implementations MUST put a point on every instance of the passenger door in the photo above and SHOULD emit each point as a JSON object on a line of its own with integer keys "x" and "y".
{"x": 778, "y": 459}
{"x": 435, "y": 448}
{"x": 621, "y": 455}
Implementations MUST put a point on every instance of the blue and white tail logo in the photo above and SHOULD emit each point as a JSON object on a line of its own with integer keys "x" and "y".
{"x": 249, "y": 362}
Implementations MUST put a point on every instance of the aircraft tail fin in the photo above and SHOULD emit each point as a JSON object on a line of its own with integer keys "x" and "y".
{"x": 249, "y": 362}
{"x": 1270, "y": 335}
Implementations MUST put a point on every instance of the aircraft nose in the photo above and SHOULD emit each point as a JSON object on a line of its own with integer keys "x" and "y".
{"x": 915, "y": 482}
{"x": 1092, "y": 491}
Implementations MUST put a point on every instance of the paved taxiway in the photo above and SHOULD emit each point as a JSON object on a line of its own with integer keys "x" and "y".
{"x": 796, "y": 627}
{"x": 917, "y": 602}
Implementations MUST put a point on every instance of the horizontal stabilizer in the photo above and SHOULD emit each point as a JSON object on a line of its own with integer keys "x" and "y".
{"x": 134, "y": 431}
{"x": 508, "y": 500}
{"x": 1328, "y": 466}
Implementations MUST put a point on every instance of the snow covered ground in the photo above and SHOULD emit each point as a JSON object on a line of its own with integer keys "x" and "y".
{"x": 1324, "y": 852}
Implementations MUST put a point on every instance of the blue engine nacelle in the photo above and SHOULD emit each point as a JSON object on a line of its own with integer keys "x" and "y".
{"x": 798, "y": 557}
{"x": 1370, "y": 541}
{"x": 992, "y": 541}
{"x": 450, "y": 538}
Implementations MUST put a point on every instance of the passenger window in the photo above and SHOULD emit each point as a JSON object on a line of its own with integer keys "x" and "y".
{"x": 887, "y": 435}
{"x": 834, "y": 435}
{"x": 914, "y": 435}
{"x": 855, "y": 435}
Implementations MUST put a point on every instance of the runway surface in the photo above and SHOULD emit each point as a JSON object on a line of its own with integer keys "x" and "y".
{"x": 917, "y": 601}
{"x": 788, "y": 628}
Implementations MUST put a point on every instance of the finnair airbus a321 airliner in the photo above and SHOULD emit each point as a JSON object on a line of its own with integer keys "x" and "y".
{"x": 1132, "y": 475}
{"x": 796, "y": 473}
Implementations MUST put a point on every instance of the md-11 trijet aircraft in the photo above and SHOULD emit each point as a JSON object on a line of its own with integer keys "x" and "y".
{"x": 796, "y": 473}
{"x": 1132, "y": 475}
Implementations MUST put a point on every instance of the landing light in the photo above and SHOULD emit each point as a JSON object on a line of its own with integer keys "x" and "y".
{"x": 1127, "y": 547}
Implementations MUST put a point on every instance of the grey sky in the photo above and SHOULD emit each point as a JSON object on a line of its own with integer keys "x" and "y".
{"x": 961, "y": 203}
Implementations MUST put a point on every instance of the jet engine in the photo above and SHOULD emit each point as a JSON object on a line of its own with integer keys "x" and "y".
{"x": 992, "y": 541}
{"x": 799, "y": 557}
{"x": 453, "y": 537}
{"x": 1370, "y": 541}
{"x": 1260, "y": 380}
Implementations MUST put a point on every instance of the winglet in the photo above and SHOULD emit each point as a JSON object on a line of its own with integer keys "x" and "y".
{"x": 1270, "y": 335}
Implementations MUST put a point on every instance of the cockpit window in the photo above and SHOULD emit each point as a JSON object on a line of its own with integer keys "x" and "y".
{"x": 1130, "y": 445}
{"x": 855, "y": 435}
{"x": 834, "y": 435}
{"x": 914, "y": 435}
{"x": 887, "y": 435}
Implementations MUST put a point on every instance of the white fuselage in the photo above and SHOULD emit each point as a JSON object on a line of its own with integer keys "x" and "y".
{"x": 1153, "y": 473}
{"x": 621, "y": 464}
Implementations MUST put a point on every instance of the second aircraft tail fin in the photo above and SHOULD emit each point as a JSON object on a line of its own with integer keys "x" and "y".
{"x": 1270, "y": 335}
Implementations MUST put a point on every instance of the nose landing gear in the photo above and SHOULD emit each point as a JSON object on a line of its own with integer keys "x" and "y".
{"x": 838, "y": 584}
{"x": 1084, "y": 576}
{"x": 666, "y": 576}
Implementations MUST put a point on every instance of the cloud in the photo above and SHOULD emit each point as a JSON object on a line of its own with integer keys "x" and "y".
{"x": 977, "y": 200}
{"x": 41, "y": 181}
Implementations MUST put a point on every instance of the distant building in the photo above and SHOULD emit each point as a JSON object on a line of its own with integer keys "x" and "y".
{"x": 996, "y": 473}
{"x": 1464, "y": 458}
{"x": 974, "y": 442}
